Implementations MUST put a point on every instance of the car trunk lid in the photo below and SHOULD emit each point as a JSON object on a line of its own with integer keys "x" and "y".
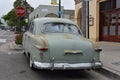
{"x": 69, "y": 48}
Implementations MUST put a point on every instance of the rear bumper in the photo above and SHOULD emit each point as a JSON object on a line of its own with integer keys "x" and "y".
{"x": 63, "y": 66}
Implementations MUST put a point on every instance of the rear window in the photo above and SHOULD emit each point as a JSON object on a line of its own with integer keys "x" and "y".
{"x": 60, "y": 28}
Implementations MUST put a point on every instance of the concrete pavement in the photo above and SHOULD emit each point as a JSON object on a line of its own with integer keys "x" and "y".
{"x": 110, "y": 56}
{"x": 11, "y": 48}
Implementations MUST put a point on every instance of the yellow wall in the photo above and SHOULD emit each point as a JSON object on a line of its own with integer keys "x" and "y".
{"x": 93, "y": 12}
{"x": 77, "y": 8}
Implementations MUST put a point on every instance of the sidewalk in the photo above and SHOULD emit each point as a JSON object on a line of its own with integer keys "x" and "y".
{"x": 11, "y": 48}
{"x": 110, "y": 56}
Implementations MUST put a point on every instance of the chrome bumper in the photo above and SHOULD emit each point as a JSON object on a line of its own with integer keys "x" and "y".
{"x": 63, "y": 66}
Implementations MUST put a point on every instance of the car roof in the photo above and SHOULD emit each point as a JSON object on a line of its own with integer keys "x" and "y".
{"x": 39, "y": 22}
{"x": 49, "y": 19}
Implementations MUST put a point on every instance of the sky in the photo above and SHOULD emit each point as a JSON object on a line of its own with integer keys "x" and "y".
{"x": 7, "y": 5}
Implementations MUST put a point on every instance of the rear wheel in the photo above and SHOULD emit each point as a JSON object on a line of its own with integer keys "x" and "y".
{"x": 32, "y": 65}
{"x": 24, "y": 53}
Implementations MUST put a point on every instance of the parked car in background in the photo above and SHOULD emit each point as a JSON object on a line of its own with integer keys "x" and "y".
{"x": 54, "y": 43}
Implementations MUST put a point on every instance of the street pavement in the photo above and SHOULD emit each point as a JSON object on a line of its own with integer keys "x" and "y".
{"x": 110, "y": 56}
{"x": 15, "y": 66}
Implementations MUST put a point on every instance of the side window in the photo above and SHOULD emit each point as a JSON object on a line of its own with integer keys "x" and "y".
{"x": 31, "y": 27}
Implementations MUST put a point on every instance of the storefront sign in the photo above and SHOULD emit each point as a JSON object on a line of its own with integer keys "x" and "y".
{"x": 91, "y": 21}
{"x": 54, "y": 2}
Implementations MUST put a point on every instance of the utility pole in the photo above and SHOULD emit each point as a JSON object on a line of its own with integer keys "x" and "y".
{"x": 84, "y": 18}
{"x": 54, "y": 2}
{"x": 87, "y": 18}
{"x": 59, "y": 12}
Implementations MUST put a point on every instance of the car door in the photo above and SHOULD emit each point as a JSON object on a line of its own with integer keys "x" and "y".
{"x": 30, "y": 37}
{"x": 27, "y": 40}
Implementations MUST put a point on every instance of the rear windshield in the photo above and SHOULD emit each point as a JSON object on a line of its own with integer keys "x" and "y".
{"x": 60, "y": 28}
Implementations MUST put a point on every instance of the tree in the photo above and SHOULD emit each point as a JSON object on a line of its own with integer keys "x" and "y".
{"x": 13, "y": 20}
{"x": 28, "y": 9}
{"x": 24, "y": 4}
{"x": 10, "y": 18}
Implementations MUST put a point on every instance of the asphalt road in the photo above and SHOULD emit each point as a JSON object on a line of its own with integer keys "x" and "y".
{"x": 15, "y": 66}
{"x": 6, "y": 36}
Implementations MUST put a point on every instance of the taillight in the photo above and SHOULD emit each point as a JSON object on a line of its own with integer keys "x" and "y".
{"x": 43, "y": 49}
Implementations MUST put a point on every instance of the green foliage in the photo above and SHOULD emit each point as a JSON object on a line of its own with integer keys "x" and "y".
{"x": 19, "y": 38}
{"x": 22, "y": 23}
{"x": 10, "y": 18}
{"x": 24, "y": 4}
{"x": 13, "y": 20}
{"x": 17, "y": 3}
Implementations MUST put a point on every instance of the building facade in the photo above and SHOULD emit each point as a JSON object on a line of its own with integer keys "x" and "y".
{"x": 51, "y": 11}
{"x": 104, "y": 19}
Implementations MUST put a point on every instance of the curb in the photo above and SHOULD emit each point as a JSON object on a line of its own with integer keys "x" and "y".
{"x": 109, "y": 43}
{"x": 109, "y": 73}
{"x": 11, "y": 48}
{"x": 112, "y": 71}
{"x": 15, "y": 46}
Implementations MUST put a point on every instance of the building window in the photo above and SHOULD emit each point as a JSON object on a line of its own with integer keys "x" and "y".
{"x": 112, "y": 24}
{"x": 108, "y": 5}
{"x": 119, "y": 24}
{"x": 51, "y": 15}
{"x": 105, "y": 25}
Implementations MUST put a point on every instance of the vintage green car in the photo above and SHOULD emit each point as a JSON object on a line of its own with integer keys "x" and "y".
{"x": 54, "y": 43}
